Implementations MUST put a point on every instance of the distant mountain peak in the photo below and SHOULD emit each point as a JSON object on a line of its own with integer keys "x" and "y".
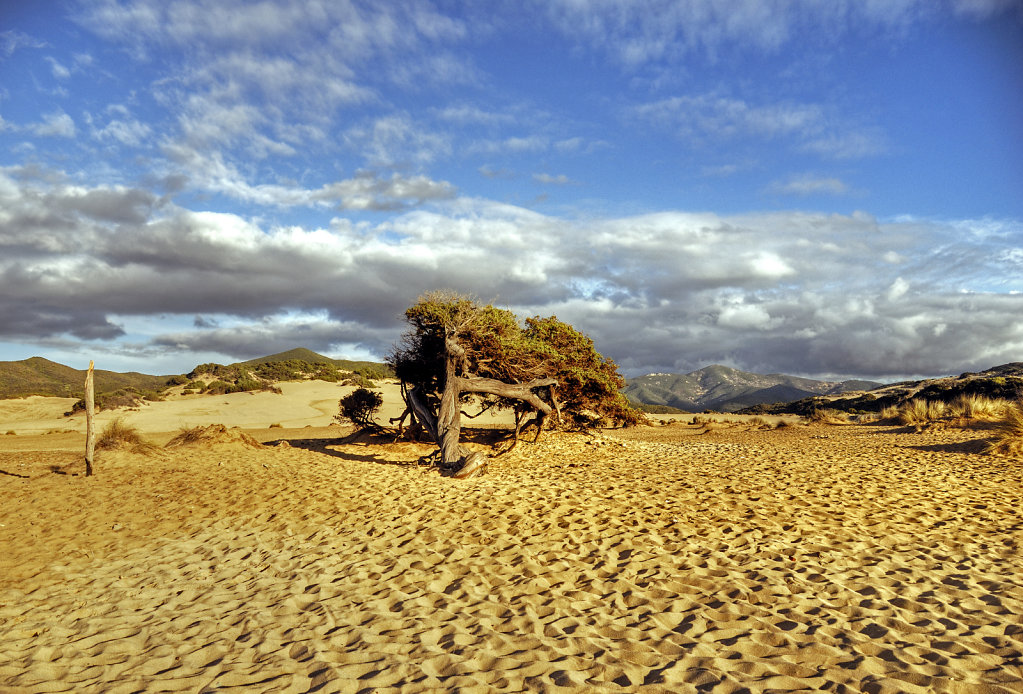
{"x": 719, "y": 387}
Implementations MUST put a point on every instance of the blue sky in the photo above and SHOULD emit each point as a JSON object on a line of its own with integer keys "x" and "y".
{"x": 824, "y": 189}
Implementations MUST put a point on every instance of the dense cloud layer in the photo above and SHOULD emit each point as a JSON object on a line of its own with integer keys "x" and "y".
{"x": 795, "y": 292}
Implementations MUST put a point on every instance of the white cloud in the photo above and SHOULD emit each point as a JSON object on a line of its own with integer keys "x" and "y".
{"x": 984, "y": 9}
{"x": 56, "y": 124}
{"x": 366, "y": 191}
{"x": 809, "y": 185}
{"x": 666, "y": 32}
{"x": 395, "y": 140}
{"x": 714, "y": 117}
{"x": 549, "y": 179}
{"x": 11, "y": 41}
{"x": 128, "y": 132}
{"x": 59, "y": 71}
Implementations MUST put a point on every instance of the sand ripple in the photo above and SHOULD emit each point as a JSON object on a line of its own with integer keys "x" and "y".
{"x": 734, "y": 562}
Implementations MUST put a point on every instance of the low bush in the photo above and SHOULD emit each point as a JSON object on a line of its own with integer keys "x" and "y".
{"x": 359, "y": 407}
{"x": 826, "y": 416}
{"x": 117, "y": 434}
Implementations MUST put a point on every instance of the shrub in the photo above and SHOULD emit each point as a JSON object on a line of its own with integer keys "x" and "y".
{"x": 359, "y": 406}
{"x": 218, "y": 387}
{"x": 1008, "y": 438}
{"x": 358, "y": 380}
{"x": 826, "y": 416}
{"x": 11, "y": 432}
{"x": 276, "y": 425}
{"x": 117, "y": 434}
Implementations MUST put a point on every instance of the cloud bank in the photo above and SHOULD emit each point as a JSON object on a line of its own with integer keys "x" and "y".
{"x": 797, "y": 292}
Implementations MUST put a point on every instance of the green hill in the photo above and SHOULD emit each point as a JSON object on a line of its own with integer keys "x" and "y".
{"x": 38, "y": 376}
{"x": 297, "y": 354}
{"x": 371, "y": 369}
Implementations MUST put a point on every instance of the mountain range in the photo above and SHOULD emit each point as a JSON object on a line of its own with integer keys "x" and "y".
{"x": 725, "y": 389}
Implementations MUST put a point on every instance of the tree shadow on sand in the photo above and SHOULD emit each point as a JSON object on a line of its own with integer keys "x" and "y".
{"x": 386, "y": 440}
{"x": 975, "y": 447}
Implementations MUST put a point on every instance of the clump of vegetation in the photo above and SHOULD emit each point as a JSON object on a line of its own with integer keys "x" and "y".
{"x": 1008, "y": 438}
{"x": 358, "y": 380}
{"x": 359, "y": 407}
{"x": 126, "y": 397}
{"x": 918, "y": 412}
{"x": 11, "y": 432}
{"x": 759, "y": 423}
{"x": 826, "y": 416}
{"x": 656, "y": 409}
{"x": 975, "y": 407}
{"x": 117, "y": 434}
{"x": 456, "y": 350}
{"x": 276, "y": 425}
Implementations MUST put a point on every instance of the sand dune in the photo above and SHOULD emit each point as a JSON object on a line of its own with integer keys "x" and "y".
{"x": 838, "y": 559}
{"x": 306, "y": 403}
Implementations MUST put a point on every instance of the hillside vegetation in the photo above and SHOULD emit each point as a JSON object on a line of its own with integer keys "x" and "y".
{"x": 39, "y": 376}
{"x": 1004, "y": 383}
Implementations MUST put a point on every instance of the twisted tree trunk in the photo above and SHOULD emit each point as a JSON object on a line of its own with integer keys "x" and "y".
{"x": 446, "y": 425}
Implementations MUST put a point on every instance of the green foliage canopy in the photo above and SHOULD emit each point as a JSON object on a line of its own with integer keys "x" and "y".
{"x": 497, "y": 346}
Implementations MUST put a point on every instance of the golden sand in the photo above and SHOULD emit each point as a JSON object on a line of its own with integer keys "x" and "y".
{"x": 843, "y": 559}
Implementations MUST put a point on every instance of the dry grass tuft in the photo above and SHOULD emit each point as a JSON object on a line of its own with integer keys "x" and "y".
{"x": 117, "y": 434}
{"x": 759, "y": 423}
{"x": 211, "y": 435}
{"x": 917, "y": 412}
{"x": 826, "y": 416}
{"x": 976, "y": 407}
{"x": 1008, "y": 438}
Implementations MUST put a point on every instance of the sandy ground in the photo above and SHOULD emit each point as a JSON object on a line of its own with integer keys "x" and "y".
{"x": 844, "y": 559}
{"x": 308, "y": 403}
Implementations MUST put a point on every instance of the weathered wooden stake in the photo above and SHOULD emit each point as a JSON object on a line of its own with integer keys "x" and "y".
{"x": 90, "y": 412}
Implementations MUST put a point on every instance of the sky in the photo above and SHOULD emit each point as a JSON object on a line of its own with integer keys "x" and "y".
{"x": 826, "y": 189}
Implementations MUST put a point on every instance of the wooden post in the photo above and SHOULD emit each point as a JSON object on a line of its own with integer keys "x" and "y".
{"x": 90, "y": 413}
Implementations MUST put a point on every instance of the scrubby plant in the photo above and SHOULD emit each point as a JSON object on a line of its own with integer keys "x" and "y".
{"x": 1008, "y": 437}
{"x": 826, "y": 416}
{"x": 357, "y": 380}
{"x": 889, "y": 413}
{"x": 359, "y": 407}
{"x": 11, "y": 432}
{"x": 117, "y": 434}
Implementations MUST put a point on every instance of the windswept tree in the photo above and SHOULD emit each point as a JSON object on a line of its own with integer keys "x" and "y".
{"x": 455, "y": 350}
